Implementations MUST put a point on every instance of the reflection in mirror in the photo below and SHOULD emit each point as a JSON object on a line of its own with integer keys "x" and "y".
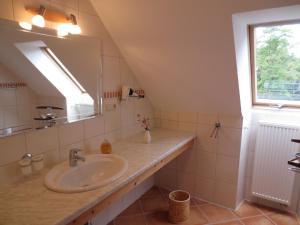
{"x": 46, "y": 80}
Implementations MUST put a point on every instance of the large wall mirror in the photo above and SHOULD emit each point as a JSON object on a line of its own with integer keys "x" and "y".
{"x": 46, "y": 80}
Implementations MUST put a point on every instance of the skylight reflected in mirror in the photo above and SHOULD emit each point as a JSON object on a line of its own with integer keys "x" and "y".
{"x": 79, "y": 103}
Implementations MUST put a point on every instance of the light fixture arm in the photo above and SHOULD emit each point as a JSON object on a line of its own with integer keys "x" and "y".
{"x": 73, "y": 19}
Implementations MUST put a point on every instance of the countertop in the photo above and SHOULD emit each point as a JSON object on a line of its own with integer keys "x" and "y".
{"x": 30, "y": 203}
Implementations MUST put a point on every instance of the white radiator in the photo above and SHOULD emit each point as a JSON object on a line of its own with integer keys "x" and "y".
{"x": 271, "y": 178}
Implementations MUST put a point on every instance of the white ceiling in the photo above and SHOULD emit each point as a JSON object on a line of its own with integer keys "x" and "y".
{"x": 182, "y": 51}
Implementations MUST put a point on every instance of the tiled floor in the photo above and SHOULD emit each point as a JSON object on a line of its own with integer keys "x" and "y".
{"x": 151, "y": 209}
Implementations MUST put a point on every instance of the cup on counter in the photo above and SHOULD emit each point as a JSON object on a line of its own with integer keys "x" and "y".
{"x": 25, "y": 165}
{"x": 37, "y": 162}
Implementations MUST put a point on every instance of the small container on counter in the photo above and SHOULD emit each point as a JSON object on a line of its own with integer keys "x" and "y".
{"x": 38, "y": 162}
{"x": 106, "y": 147}
{"x": 25, "y": 165}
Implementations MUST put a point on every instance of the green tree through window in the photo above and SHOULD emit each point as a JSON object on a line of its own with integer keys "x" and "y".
{"x": 277, "y": 62}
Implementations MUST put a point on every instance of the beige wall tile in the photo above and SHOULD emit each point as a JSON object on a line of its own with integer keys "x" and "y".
{"x": 168, "y": 124}
{"x": 207, "y": 118}
{"x": 190, "y": 117}
{"x": 174, "y": 116}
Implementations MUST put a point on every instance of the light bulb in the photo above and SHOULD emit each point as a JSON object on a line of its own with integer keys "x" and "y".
{"x": 38, "y": 20}
{"x": 63, "y": 30}
{"x": 75, "y": 29}
{"x": 25, "y": 25}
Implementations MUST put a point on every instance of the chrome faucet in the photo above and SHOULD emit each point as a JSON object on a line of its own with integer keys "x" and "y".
{"x": 74, "y": 157}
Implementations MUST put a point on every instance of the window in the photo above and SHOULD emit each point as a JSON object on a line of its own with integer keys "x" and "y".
{"x": 275, "y": 64}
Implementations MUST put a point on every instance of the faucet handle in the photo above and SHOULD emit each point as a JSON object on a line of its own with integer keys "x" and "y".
{"x": 75, "y": 150}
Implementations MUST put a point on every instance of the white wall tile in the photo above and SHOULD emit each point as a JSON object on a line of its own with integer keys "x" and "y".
{"x": 112, "y": 120}
{"x": 231, "y": 121}
{"x": 111, "y": 73}
{"x": 42, "y": 140}
{"x": 86, "y": 6}
{"x": 110, "y": 48}
{"x": 204, "y": 141}
{"x": 64, "y": 150}
{"x": 190, "y": 127}
{"x": 12, "y": 148}
{"x": 93, "y": 127}
{"x": 70, "y": 133}
{"x": 206, "y": 164}
{"x": 186, "y": 182}
{"x": 225, "y": 194}
{"x": 92, "y": 145}
{"x": 227, "y": 169}
{"x": 187, "y": 161}
{"x": 205, "y": 188}
{"x": 229, "y": 141}
{"x": 6, "y": 11}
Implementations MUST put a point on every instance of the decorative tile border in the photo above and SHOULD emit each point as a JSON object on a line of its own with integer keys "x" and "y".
{"x": 12, "y": 85}
{"x": 117, "y": 94}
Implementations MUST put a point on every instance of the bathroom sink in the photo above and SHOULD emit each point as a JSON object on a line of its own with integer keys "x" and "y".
{"x": 97, "y": 170}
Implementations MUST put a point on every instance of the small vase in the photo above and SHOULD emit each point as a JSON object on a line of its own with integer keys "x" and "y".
{"x": 147, "y": 137}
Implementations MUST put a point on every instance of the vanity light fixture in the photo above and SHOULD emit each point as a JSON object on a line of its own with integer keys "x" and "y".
{"x": 63, "y": 30}
{"x": 74, "y": 27}
{"x": 38, "y": 20}
{"x": 66, "y": 25}
{"x": 25, "y": 25}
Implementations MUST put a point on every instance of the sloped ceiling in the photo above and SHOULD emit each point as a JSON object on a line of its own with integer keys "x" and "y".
{"x": 182, "y": 51}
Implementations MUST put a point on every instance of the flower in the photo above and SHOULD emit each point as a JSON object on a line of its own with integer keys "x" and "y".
{"x": 145, "y": 122}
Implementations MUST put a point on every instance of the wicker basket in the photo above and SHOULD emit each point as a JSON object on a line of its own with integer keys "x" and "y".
{"x": 179, "y": 206}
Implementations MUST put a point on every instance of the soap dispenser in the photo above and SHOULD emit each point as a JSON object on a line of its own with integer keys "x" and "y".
{"x": 106, "y": 147}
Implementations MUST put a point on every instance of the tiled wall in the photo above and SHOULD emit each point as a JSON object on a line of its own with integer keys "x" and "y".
{"x": 116, "y": 123}
{"x": 16, "y": 104}
{"x": 210, "y": 170}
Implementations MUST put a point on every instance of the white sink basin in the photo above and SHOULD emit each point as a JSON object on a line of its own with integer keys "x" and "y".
{"x": 97, "y": 170}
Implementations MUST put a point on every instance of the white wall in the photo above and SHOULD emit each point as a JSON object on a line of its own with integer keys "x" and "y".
{"x": 55, "y": 142}
{"x": 182, "y": 51}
